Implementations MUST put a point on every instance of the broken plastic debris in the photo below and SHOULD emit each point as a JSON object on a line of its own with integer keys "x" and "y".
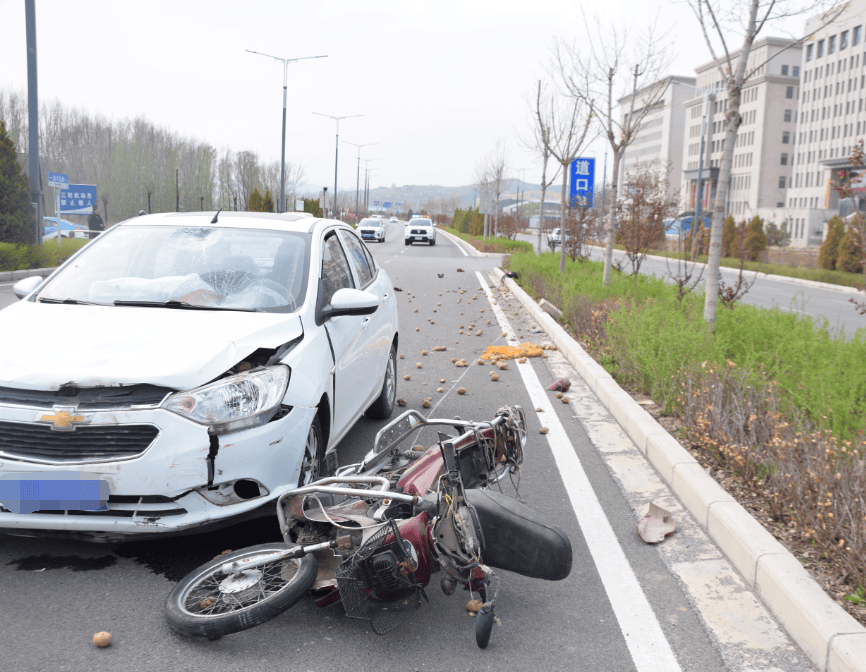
{"x": 656, "y": 524}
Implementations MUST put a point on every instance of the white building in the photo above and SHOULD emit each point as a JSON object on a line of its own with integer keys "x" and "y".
{"x": 661, "y": 133}
{"x": 763, "y": 156}
{"x": 830, "y": 121}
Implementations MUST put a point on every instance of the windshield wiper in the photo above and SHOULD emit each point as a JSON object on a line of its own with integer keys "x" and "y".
{"x": 183, "y": 305}
{"x": 75, "y": 302}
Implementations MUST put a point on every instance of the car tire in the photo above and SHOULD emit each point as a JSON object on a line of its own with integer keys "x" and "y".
{"x": 408, "y": 242}
{"x": 185, "y": 615}
{"x": 313, "y": 465}
{"x": 385, "y": 402}
{"x": 433, "y": 242}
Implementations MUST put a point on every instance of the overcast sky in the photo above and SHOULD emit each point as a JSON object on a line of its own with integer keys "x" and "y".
{"x": 439, "y": 81}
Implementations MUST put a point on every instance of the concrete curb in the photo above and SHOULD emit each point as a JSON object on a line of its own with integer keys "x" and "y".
{"x": 15, "y": 276}
{"x": 831, "y": 638}
{"x": 469, "y": 248}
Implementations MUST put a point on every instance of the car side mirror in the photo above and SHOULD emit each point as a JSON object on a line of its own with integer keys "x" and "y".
{"x": 351, "y": 302}
{"x": 23, "y": 287}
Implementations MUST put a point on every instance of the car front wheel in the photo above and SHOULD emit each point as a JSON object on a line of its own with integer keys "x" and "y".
{"x": 312, "y": 466}
{"x": 384, "y": 404}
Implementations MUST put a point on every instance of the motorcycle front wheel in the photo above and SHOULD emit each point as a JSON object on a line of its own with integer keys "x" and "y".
{"x": 208, "y": 603}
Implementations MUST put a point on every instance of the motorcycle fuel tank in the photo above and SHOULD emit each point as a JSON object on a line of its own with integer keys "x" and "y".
{"x": 518, "y": 539}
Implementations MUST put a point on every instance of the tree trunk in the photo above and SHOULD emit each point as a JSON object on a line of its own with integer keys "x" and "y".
{"x": 732, "y": 119}
{"x": 611, "y": 218}
{"x": 562, "y": 219}
{"x": 541, "y": 212}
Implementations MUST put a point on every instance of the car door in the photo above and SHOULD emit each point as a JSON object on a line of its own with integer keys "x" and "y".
{"x": 348, "y": 336}
{"x": 381, "y": 325}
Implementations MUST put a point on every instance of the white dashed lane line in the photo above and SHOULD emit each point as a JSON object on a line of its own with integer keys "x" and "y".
{"x": 640, "y": 628}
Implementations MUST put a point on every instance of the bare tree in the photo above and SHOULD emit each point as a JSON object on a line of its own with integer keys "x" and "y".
{"x": 497, "y": 165}
{"x": 481, "y": 177}
{"x": 725, "y": 21}
{"x": 542, "y": 111}
{"x": 570, "y": 125}
{"x": 614, "y": 65}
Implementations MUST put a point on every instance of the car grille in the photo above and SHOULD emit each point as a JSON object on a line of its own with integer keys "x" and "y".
{"x": 420, "y": 232}
{"x": 87, "y": 399}
{"x": 91, "y": 443}
{"x": 128, "y": 506}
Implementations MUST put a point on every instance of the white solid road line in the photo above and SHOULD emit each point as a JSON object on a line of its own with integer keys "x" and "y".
{"x": 640, "y": 628}
{"x": 457, "y": 245}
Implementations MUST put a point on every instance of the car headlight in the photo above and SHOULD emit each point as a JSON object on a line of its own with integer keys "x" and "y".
{"x": 245, "y": 400}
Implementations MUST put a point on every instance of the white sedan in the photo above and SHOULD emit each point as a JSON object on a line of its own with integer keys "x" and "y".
{"x": 186, "y": 370}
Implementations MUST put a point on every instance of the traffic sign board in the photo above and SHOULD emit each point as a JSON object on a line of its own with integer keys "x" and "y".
{"x": 582, "y": 174}
{"x": 60, "y": 180}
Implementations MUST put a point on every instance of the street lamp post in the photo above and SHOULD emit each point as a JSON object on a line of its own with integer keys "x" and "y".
{"x": 367, "y": 182}
{"x": 285, "y": 62}
{"x": 337, "y": 154}
{"x": 358, "y": 178}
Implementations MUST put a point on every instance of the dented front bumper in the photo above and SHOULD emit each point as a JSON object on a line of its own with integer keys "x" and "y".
{"x": 183, "y": 479}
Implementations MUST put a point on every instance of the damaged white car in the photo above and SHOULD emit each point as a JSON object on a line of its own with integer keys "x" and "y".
{"x": 217, "y": 362}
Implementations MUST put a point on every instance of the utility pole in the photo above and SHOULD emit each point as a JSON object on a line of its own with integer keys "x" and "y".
{"x": 358, "y": 177}
{"x": 337, "y": 154}
{"x": 285, "y": 62}
{"x": 33, "y": 118}
{"x": 176, "y": 190}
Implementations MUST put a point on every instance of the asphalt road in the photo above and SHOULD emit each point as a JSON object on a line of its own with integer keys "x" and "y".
{"x": 55, "y": 595}
{"x": 823, "y": 304}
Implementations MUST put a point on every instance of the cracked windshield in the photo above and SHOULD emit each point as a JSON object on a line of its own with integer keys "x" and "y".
{"x": 225, "y": 268}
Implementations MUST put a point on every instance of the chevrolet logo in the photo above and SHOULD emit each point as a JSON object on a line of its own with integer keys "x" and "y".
{"x": 63, "y": 419}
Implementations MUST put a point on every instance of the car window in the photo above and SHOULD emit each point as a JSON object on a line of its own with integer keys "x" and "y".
{"x": 359, "y": 257}
{"x": 220, "y": 267}
{"x": 335, "y": 270}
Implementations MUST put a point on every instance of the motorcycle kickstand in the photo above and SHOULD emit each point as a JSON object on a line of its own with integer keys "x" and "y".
{"x": 484, "y": 619}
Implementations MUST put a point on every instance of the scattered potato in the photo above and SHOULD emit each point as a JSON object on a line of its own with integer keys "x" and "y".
{"x": 539, "y": 410}
{"x": 565, "y": 400}
{"x": 103, "y": 639}
{"x": 425, "y": 402}
{"x": 522, "y": 360}
{"x": 440, "y": 389}
{"x": 479, "y": 332}
{"x": 417, "y": 329}
{"x": 407, "y": 377}
{"x": 503, "y": 333}
{"x": 543, "y": 430}
{"x": 488, "y": 321}
{"x": 473, "y": 606}
{"x": 494, "y": 377}
{"x": 401, "y": 401}
{"x": 439, "y": 303}
{"x": 416, "y": 310}
{"x": 423, "y": 352}
{"x": 453, "y": 360}
{"x": 502, "y": 366}
{"x": 441, "y": 380}
{"x": 481, "y": 362}
{"x": 461, "y": 390}
{"x": 419, "y": 365}
{"x": 559, "y": 395}
{"x": 402, "y": 356}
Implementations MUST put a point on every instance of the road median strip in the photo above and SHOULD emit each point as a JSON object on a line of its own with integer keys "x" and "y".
{"x": 830, "y": 637}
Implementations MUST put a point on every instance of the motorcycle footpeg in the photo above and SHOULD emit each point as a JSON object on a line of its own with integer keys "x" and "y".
{"x": 448, "y": 585}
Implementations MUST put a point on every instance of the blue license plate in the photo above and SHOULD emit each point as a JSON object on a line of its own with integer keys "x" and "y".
{"x": 27, "y": 492}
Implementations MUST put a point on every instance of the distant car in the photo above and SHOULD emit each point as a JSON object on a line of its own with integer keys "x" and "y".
{"x": 554, "y": 238}
{"x": 393, "y": 220}
{"x": 421, "y": 230}
{"x": 372, "y": 228}
{"x": 67, "y": 229}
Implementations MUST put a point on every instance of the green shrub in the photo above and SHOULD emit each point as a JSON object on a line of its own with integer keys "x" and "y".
{"x": 850, "y": 257}
{"x": 829, "y": 251}
{"x": 756, "y": 239}
{"x": 23, "y": 257}
{"x": 729, "y": 237}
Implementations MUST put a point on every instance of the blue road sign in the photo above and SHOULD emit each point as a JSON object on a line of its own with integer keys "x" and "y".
{"x": 582, "y": 174}
{"x": 60, "y": 180}
{"x": 78, "y": 199}
{"x": 386, "y": 204}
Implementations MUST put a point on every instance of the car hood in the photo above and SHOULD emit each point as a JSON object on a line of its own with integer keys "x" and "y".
{"x": 47, "y": 346}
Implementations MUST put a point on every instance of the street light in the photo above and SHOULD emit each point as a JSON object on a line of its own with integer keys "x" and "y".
{"x": 285, "y": 62}
{"x": 337, "y": 155}
{"x": 358, "y": 178}
{"x": 367, "y": 182}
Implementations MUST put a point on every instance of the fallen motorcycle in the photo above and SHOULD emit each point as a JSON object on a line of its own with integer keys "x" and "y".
{"x": 371, "y": 536}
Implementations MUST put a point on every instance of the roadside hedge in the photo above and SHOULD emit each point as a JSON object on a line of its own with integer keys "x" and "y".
{"x": 23, "y": 257}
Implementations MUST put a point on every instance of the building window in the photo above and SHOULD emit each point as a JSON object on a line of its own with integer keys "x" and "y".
{"x": 787, "y": 115}
{"x": 820, "y": 48}
{"x": 789, "y": 92}
{"x": 784, "y": 161}
{"x": 786, "y": 137}
{"x": 809, "y": 52}
{"x": 831, "y": 45}
{"x": 855, "y": 36}
{"x": 843, "y": 40}
{"x": 782, "y": 182}
{"x": 784, "y": 70}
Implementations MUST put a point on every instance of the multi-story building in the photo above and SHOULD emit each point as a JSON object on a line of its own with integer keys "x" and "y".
{"x": 764, "y": 152}
{"x": 660, "y": 137}
{"x": 831, "y": 118}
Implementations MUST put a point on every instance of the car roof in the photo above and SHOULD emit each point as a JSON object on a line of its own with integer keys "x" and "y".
{"x": 299, "y": 222}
